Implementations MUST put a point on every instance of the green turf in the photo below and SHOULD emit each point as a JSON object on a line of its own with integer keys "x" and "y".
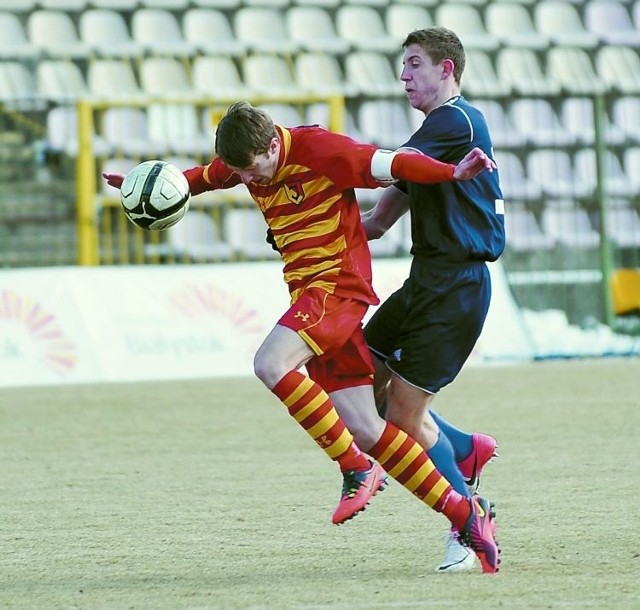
{"x": 206, "y": 495}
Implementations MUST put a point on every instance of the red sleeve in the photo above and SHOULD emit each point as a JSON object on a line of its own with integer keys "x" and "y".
{"x": 420, "y": 169}
{"x": 348, "y": 162}
{"x": 210, "y": 177}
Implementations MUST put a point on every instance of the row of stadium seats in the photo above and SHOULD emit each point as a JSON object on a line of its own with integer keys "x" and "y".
{"x": 22, "y": 6}
{"x": 522, "y": 123}
{"x": 361, "y": 73}
{"x": 56, "y": 33}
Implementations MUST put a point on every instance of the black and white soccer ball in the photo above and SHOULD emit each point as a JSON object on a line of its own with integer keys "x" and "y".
{"x": 155, "y": 195}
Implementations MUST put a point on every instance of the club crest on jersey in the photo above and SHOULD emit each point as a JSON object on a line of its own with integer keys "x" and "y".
{"x": 294, "y": 192}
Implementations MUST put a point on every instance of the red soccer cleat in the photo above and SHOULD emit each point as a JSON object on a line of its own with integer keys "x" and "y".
{"x": 479, "y": 534}
{"x": 358, "y": 488}
{"x": 484, "y": 450}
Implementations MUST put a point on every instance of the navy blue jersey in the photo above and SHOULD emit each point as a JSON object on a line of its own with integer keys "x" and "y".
{"x": 460, "y": 221}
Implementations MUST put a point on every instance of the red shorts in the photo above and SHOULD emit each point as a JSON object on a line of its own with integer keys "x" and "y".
{"x": 332, "y": 327}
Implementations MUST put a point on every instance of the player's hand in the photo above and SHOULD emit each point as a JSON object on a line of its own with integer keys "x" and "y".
{"x": 472, "y": 164}
{"x": 114, "y": 180}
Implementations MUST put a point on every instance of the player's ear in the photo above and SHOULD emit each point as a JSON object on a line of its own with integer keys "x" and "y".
{"x": 447, "y": 68}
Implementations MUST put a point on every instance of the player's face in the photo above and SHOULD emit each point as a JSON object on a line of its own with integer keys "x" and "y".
{"x": 423, "y": 80}
{"x": 263, "y": 168}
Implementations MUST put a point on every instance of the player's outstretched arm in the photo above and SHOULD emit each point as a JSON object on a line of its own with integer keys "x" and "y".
{"x": 472, "y": 164}
{"x": 422, "y": 169}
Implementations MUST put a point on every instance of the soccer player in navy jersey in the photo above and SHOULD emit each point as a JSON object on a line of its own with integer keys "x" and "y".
{"x": 423, "y": 334}
{"x": 303, "y": 179}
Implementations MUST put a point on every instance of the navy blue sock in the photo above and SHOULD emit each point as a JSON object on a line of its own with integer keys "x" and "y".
{"x": 462, "y": 442}
{"x": 442, "y": 455}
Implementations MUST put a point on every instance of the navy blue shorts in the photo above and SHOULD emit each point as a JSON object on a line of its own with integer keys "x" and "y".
{"x": 426, "y": 330}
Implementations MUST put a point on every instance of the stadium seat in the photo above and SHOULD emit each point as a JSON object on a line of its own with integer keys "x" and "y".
{"x": 263, "y": 30}
{"x": 210, "y": 31}
{"x": 623, "y": 224}
{"x": 384, "y": 122}
{"x": 55, "y": 33}
{"x": 197, "y": 237}
{"x": 62, "y": 132}
{"x": 159, "y": 32}
{"x": 125, "y": 131}
{"x": 68, "y": 6}
{"x": 17, "y": 87}
{"x": 279, "y": 4}
{"x": 371, "y": 73}
{"x": 511, "y": 24}
{"x": 165, "y": 77}
{"x": 536, "y": 120}
{"x": 619, "y": 68}
{"x": 400, "y": 19}
{"x": 466, "y": 21}
{"x": 616, "y": 181}
{"x": 105, "y": 31}
{"x": 626, "y": 115}
{"x": 363, "y": 28}
{"x": 631, "y": 163}
{"x": 218, "y": 76}
{"x": 554, "y": 172}
{"x": 330, "y": 4}
{"x": 18, "y": 6}
{"x": 577, "y": 117}
{"x": 286, "y": 115}
{"x": 165, "y": 5}
{"x": 514, "y": 182}
{"x": 625, "y": 291}
{"x": 313, "y": 29}
{"x": 561, "y": 22}
{"x": 371, "y": 3}
{"x": 217, "y": 4}
{"x": 574, "y": 70}
{"x": 115, "y": 5}
{"x": 13, "y": 39}
{"x": 60, "y": 81}
{"x": 103, "y": 73}
{"x": 570, "y": 226}
{"x": 523, "y": 231}
{"x": 503, "y": 133}
{"x": 426, "y": 3}
{"x": 245, "y": 230}
{"x": 321, "y": 74}
{"x": 480, "y": 78}
{"x": 612, "y": 22}
{"x": 271, "y": 76}
{"x": 522, "y": 71}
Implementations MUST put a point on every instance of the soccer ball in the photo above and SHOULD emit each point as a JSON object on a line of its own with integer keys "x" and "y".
{"x": 155, "y": 195}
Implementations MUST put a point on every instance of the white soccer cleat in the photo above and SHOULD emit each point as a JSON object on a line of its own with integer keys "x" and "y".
{"x": 457, "y": 557}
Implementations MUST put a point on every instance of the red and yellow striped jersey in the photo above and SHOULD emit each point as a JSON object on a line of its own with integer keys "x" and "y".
{"x": 311, "y": 208}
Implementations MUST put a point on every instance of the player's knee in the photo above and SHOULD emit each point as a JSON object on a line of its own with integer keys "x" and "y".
{"x": 267, "y": 369}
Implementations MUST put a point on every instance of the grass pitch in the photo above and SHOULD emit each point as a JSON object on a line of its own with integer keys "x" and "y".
{"x": 206, "y": 495}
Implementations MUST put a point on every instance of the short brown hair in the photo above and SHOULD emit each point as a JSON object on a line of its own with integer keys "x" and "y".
{"x": 439, "y": 44}
{"x": 243, "y": 133}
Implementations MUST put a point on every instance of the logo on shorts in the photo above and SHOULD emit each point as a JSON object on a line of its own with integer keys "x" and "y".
{"x": 294, "y": 192}
{"x": 397, "y": 355}
{"x": 303, "y": 316}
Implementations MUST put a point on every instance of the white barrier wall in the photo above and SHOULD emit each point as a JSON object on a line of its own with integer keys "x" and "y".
{"x": 78, "y": 325}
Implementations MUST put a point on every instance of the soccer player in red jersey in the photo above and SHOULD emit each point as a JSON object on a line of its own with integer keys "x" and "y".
{"x": 303, "y": 180}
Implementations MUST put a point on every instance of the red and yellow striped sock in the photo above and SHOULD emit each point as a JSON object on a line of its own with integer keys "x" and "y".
{"x": 407, "y": 462}
{"x": 312, "y": 408}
